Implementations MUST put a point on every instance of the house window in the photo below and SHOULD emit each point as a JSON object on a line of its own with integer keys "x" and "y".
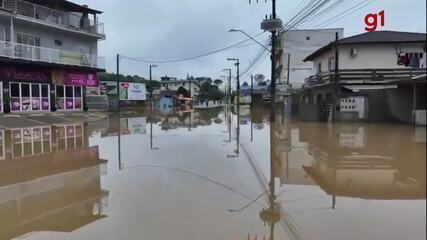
{"x": 307, "y": 38}
{"x": 58, "y": 43}
{"x": 7, "y": 35}
{"x": 27, "y": 39}
{"x": 319, "y": 68}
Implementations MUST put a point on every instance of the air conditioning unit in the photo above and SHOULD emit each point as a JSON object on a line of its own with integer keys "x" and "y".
{"x": 354, "y": 52}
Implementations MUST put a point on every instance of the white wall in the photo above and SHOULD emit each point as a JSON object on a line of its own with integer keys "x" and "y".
{"x": 175, "y": 86}
{"x": 380, "y": 56}
{"x": 296, "y": 43}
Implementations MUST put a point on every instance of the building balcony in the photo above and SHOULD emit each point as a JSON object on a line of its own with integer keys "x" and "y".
{"x": 366, "y": 76}
{"x": 50, "y": 55}
{"x": 44, "y": 15}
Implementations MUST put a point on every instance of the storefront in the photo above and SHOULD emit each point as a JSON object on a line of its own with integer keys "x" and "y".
{"x": 30, "y": 89}
{"x": 70, "y": 88}
{"x": 25, "y": 89}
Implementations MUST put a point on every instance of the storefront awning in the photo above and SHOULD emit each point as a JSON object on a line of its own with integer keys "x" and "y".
{"x": 358, "y": 88}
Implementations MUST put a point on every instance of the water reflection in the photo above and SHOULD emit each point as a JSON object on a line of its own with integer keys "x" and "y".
{"x": 49, "y": 180}
{"x": 370, "y": 162}
{"x": 213, "y": 174}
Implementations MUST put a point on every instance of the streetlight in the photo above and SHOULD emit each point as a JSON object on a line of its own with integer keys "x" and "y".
{"x": 241, "y": 31}
{"x": 151, "y": 85}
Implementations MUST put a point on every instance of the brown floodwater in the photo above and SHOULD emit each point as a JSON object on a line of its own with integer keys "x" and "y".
{"x": 213, "y": 174}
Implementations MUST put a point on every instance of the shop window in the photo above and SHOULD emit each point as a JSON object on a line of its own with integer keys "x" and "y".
{"x": 78, "y": 92}
{"x": 35, "y": 90}
{"x": 45, "y": 91}
{"x": 59, "y": 91}
{"x": 69, "y": 91}
{"x": 25, "y": 90}
{"x": 14, "y": 90}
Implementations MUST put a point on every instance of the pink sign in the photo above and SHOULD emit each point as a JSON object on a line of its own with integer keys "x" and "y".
{"x": 25, "y": 74}
{"x": 65, "y": 77}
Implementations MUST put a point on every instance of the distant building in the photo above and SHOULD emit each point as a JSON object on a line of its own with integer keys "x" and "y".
{"x": 298, "y": 44}
{"x": 48, "y": 55}
{"x": 381, "y": 77}
{"x": 177, "y": 87}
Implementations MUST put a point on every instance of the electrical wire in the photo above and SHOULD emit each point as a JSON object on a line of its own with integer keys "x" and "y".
{"x": 345, "y": 13}
{"x": 190, "y": 58}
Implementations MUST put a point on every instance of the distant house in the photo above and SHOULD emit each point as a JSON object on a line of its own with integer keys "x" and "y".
{"x": 177, "y": 87}
{"x": 381, "y": 77}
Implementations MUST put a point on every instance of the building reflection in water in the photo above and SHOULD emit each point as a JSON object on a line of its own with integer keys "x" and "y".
{"x": 49, "y": 180}
{"x": 363, "y": 161}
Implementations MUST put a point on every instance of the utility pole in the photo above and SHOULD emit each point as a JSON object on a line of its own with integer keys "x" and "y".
{"x": 237, "y": 63}
{"x": 336, "y": 78}
{"x": 151, "y": 85}
{"x": 118, "y": 82}
{"x": 273, "y": 65}
{"x": 252, "y": 90}
{"x": 289, "y": 69}
{"x": 189, "y": 87}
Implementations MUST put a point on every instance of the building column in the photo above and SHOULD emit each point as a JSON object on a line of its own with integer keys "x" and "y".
{"x": 52, "y": 97}
{"x": 84, "y": 99}
{"x": 6, "y": 96}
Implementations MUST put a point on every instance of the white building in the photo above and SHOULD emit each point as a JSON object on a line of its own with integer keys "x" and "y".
{"x": 298, "y": 44}
{"x": 172, "y": 87}
{"x": 381, "y": 77}
{"x": 48, "y": 55}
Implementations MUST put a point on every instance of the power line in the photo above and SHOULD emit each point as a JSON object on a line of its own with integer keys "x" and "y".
{"x": 190, "y": 58}
{"x": 345, "y": 13}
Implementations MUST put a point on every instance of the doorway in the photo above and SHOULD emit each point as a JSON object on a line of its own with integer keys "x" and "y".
{"x": 69, "y": 98}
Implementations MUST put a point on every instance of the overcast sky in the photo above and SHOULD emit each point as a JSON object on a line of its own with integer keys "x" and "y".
{"x": 173, "y": 29}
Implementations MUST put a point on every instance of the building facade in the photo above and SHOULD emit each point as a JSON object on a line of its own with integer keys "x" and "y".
{"x": 48, "y": 55}
{"x": 177, "y": 87}
{"x": 295, "y": 45}
{"x": 381, "y": 77}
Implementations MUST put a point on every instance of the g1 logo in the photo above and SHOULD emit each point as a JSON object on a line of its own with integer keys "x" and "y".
{"x": 371, "y": 21}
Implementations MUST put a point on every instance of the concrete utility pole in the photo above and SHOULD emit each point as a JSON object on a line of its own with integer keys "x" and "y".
{"x": 151, "y": 85}
{"x": 252, "y": 90}
{"x": 289, "y": 69}
{"x": 336, "y": 78}
{"x": 118, "y": 82}
{"x": 237, "y": 63}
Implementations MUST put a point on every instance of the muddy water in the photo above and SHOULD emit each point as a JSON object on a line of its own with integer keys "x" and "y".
{"x": 212, "y": 174}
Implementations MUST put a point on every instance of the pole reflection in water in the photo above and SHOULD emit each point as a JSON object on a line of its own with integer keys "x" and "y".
{"x": 54, "y": 165}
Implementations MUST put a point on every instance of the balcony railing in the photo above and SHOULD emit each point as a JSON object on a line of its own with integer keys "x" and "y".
{"x": 366, "y": 75}
{"x": 53, "y": 17}
{"x": 50, "y": 55}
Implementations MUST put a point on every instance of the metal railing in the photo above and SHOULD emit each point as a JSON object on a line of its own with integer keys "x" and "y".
{"x": 53, "y": 17}
{"x": 50, "y": 55}
{"x": 366, "y": 75}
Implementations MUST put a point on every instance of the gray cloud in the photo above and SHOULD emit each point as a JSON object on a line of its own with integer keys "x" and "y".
{"x": 171, "y": 29}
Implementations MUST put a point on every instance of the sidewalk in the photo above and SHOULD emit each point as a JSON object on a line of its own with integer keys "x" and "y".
{"x": 25, "y": 120}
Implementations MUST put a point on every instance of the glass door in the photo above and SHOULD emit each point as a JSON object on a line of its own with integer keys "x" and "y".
{"x": 69, "y": 97}
{"x": 29, "y": 97}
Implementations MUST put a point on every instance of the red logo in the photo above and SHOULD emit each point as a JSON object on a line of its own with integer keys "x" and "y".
{"x": 371, "y": 21}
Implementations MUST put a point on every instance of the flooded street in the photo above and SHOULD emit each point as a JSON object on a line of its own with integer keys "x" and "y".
{"x": 213, "y": 174}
